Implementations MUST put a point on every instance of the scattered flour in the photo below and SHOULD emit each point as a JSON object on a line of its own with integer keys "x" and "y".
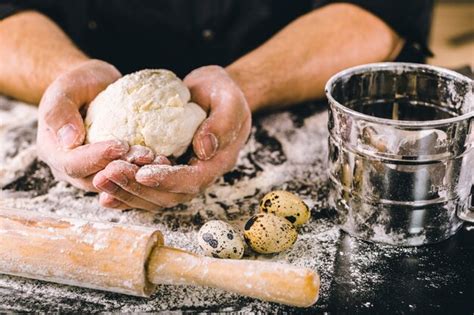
{"x": 286, "y": 150}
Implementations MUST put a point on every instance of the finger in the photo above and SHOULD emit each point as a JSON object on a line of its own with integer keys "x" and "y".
{"x": 60, "y": 115}
{"x": 139, "y": 155}
{"x": 90, "y": 158}
{"x": 81, "y": 183}
{"x": 177, "y": 179}
{"x": 106, "y": 200}
{"x": 190, "y": 179}
{"x": 123, "y": 175}
{"x": 161, "y": 159}
{"x": 60, "y": 104}
{"x": 228, "y": 111}
{"x": 217, "y": 132}
{"x": 102, "y": 183}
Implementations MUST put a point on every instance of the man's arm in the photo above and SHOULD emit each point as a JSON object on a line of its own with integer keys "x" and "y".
{"x": 291, "y": 67}
{"x": 39, "y": 62}
{"x": 295, "y": 64}
{"x": 33, "y": 52}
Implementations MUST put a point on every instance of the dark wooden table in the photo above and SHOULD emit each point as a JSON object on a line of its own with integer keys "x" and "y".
{"x": 357, "y": 277}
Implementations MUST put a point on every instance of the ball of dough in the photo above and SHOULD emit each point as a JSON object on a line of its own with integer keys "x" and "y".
{"x": 149, "y": 108}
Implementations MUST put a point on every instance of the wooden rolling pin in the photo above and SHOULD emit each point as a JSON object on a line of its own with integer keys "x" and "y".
{"x": 132, "y": 260}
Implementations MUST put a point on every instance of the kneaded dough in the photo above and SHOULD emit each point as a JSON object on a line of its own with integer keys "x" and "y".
{"x": 149, "y": 108}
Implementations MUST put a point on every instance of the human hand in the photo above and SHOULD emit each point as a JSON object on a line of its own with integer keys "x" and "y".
{"x": 216, "y": 144}
{"x": 61, "y": 130}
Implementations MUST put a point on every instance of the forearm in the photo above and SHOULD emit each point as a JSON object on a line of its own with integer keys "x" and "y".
{"x": 295, "y": 64}
{"x": 33, "y": 52}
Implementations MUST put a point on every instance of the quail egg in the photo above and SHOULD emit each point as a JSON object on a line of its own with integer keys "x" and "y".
{"x": 267, "y": 233}
{"x": 219, "y": 239}
{"x": 286, "y": 205}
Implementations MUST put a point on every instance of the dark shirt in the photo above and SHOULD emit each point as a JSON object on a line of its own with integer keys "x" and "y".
{"x": 184, "y": 34}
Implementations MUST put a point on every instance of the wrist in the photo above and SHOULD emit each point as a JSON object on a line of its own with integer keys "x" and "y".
{"x": 67, "y": 63}
{"x": 250, "y": 89}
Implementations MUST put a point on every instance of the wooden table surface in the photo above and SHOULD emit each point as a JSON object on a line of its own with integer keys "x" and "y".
{"x": 357, "y": 277}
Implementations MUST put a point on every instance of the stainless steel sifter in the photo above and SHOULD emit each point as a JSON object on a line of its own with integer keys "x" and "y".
{"x": 401, "y": 152}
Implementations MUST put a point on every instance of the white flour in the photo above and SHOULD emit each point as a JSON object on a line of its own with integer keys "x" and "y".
{"x": 284, "y": 152}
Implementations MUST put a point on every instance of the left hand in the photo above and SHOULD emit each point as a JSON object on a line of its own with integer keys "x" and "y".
{"x": 216, "y": 144}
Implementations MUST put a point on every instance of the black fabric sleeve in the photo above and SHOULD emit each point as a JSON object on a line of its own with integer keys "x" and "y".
{"x": 7, "y": 9}
{"x": 50, "y": 8}
{"x": 64, "y": 13}
{"x": 411, "y": 19}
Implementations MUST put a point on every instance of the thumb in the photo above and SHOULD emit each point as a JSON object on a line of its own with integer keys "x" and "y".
{"x": 221, "y": 128}
{"x": 216, "y": 93}
{"x": 59, "y": 107}
{"x": 61, "y": 116}
{"x": 205, "y": 142}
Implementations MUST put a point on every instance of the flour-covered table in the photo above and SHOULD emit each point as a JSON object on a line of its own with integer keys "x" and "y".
{"x": 287, "y": 150}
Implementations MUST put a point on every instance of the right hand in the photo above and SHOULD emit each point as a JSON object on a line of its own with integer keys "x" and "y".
{"x": 61, "y": 131}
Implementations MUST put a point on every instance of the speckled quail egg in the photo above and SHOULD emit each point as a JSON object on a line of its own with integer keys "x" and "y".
{"x": 286, "y": 205}
{"x": 219, "y": 239}
{"x": 267, "y": 233}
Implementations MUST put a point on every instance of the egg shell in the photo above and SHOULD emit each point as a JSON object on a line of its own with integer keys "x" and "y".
{"x": 267, "y": 233}
{"x": 286, "y": 205}
{"x": 219, "y": 239}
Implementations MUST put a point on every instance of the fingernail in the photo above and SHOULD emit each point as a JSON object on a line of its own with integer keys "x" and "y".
{"x": 209, "y": 146}
{"x": 67, "y": 136}
{"x": 161, "y": 160}
{"x": 117, "y": 149}
{"x": 148, "y": 176}
{"x": 108, "y": 201}
{"x": 120, "y": 179}
{"x": 113, "y": 203}
{"x": 108, "y": 186}
{"x": 139, "y": 155}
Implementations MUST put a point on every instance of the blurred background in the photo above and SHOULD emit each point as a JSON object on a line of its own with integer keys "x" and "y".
{"x": 452, "y": 34}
